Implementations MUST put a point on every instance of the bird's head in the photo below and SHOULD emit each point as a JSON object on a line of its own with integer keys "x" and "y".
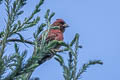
{"x": 61, "y": 23}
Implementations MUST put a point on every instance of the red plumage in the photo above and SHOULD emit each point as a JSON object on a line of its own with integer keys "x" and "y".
{"x": 54, "y": 34}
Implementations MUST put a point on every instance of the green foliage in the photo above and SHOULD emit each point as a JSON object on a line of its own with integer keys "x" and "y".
{"x": 15, "y": 63}
{"x": 70, "y": 71}
{"x": 1, "y": 1}
{"x": 1, "y": 34}
{"x": 2, "y": 67}
{"x": 85, "y": 66}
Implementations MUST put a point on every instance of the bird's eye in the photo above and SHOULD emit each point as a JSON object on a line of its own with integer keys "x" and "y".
{"x": 62, "y": 23}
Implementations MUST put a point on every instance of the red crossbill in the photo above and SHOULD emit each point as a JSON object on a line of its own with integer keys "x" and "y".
{"x": 54, "y": 34}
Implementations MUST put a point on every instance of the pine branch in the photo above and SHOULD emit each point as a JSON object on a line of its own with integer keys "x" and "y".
{"x": 13, "y": 12}
{"x": 70, "y": 71}
{"x": 85, "y": 66}
{"x": 2, "y": 68}
{"x": 7, "y": 29}
{"x": 43, "y": 50}
{"x": 1, "y": 1}
{"x": 22, "y": 41}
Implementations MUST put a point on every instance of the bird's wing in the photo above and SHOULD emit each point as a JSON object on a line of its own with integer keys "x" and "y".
{"x": 53, "y": 35}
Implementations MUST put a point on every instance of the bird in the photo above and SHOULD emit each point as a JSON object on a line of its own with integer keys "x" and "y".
{"x": 54, "y": 34}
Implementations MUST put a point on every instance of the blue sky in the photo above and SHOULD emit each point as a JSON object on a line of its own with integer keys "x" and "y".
{"x": 98, "y": 23}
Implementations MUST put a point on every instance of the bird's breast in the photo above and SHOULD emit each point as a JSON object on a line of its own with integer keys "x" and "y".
{"x": 58, "y": 35}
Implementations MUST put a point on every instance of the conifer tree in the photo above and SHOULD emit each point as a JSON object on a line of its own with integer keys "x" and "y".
{"x": 15, "y": 64}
